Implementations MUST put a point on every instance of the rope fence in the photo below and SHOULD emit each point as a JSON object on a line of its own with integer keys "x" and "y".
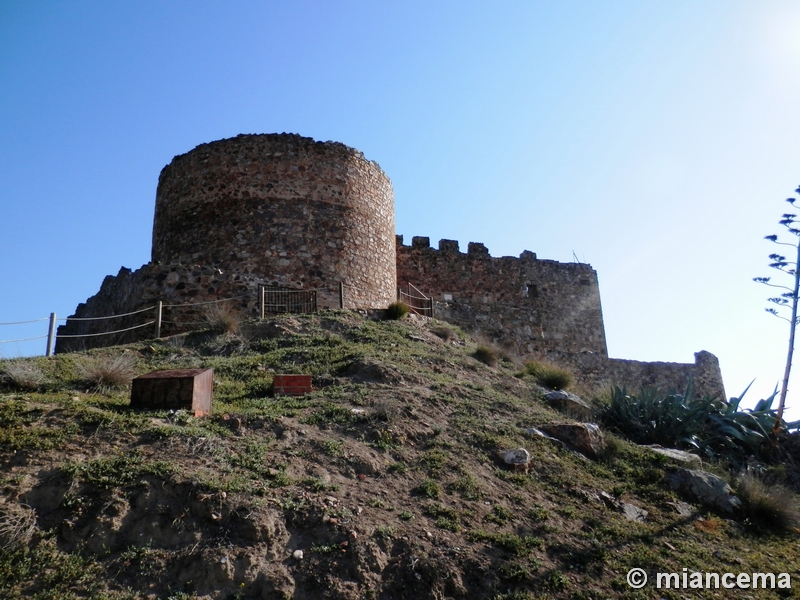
{"x": 270, "y": 300}
{"x": 81, "y": 335}
{"x": 136, "y": 312}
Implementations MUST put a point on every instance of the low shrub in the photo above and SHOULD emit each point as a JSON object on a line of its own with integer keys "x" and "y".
{"x": 429, "y": 488}
{"x": 22, "y": 374}
{"x": 550, "y": 376}
{"x": 397, "y": 310}
{"x": 444, "y": 333}
{"x": 487, "y": 355}
{"x": 106, "y": 373}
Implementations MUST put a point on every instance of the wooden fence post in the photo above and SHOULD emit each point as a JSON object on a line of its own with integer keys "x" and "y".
{"x": 51, "y": 335}
{"x": 341, "y": 295}
{"x": 263, "y": 289}
{"x": 158, "y": 319}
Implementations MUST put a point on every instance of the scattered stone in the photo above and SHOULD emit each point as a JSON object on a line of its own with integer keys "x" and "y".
{"x": 706, "y": 487}
{"x": 298, "y": 554}
{"x": 569, "y": 403}
{"x": 518, "y": 459}
{"x": 586, "y": 438}
{"x": 678, "y": 455}
{"x": 682, "y": 508}
{"x": 633, "y": 513}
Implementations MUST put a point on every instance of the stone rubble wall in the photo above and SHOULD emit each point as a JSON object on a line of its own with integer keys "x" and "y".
{"x": 533, "y": 306}
{"x": 130, "y": 291}
{"x": 600, "y": 372}
{"x": 309, "y": 214}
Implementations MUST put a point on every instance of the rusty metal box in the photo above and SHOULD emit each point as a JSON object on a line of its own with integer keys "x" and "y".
{"x": 174, "y": 388}
{"x": 291, "y": 385}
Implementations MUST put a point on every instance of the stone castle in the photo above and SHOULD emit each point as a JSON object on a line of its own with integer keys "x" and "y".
{"x": 287, "y": 212}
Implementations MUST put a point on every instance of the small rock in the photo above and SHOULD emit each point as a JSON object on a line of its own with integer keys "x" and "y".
{"x": 706, "y": 487}
{"x": 633, "y": 513}
{"x": 679, "y": 455}
{"x": 569, "y": 403}
{"x": 586, "y": 438}
{"x": 298, "y": 554}
{"x": 682, "y": 508}
{"x": 518, "y": 459}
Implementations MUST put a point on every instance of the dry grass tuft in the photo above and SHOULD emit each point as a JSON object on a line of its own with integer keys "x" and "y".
{"x": 548, "y": 375}
{"x": 23, "y": 374}
{"x": 487, "y": 355}
{"x": 769, "y": 506}
{"x": 17, "y": 525}
{"x": 444, "y": 333}
{"x": 107, "y": 373}
{"x": 385, "y": 409}
{"x": 222, "y": 318}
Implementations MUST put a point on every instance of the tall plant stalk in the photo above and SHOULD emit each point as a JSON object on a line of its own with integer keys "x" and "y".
{"x": 786, "y": 299}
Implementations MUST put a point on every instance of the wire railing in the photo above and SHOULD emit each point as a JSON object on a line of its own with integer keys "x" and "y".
{"x": 270, "y": 300}
{"x": 416, "y": 301}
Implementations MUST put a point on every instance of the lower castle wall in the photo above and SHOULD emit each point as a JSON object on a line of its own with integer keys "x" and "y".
{"x": 599, "y": 372}
{"x": 130, "y": 291}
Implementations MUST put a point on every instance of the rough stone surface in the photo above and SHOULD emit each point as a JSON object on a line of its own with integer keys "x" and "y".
{"x": 535, "y": 305}
{"x": 600, "y": 371}
{"x": 586, "y": 438}
{"x": 705, "y": 487}
{"x": 679, "y": 455}
{"x": 517, "y": 457}
{"x": 569, "y": 403}
{"x": 308, "y": 214}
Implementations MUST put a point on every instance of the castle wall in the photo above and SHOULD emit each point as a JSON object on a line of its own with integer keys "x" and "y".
{"x": 303, "y": 213}
{"x": 130, "y": 291}
{"x": 599, "y": 372}
{"x": 535, "y": 306}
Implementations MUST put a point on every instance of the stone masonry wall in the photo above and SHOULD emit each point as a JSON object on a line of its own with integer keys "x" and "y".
{"x": 597, "y": 372}
{"x": 535, "y": 306}
{"x": 306, "y": 214}
{"x": 130, "y": 291}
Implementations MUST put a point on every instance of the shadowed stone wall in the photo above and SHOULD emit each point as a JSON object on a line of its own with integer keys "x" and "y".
{"x": 535, "y": 306}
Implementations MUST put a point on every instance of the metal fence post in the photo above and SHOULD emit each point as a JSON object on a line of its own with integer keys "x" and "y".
{"x": 51, "y": 335}
{"x": 341, "y": 295}
{"x": 158, "y": 319}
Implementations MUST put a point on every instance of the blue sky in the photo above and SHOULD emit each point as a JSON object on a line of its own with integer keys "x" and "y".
{"x": 654, "y": 140}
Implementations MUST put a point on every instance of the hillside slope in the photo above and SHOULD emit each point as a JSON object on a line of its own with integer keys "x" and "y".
{"x": 386, "y": 479}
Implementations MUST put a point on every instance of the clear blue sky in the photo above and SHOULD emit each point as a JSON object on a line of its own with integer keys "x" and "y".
{"x": 655, "y": 140}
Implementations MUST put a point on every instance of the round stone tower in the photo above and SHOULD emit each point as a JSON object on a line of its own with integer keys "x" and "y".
{"x": 284, "y": 208}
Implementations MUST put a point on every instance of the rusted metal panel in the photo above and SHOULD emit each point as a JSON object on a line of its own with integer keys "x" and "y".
{"x": 174, "y": 388}
{"x": 291, "y": 385}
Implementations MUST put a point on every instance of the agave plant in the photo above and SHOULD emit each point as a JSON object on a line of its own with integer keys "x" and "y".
{"x": 712, "y": 427}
